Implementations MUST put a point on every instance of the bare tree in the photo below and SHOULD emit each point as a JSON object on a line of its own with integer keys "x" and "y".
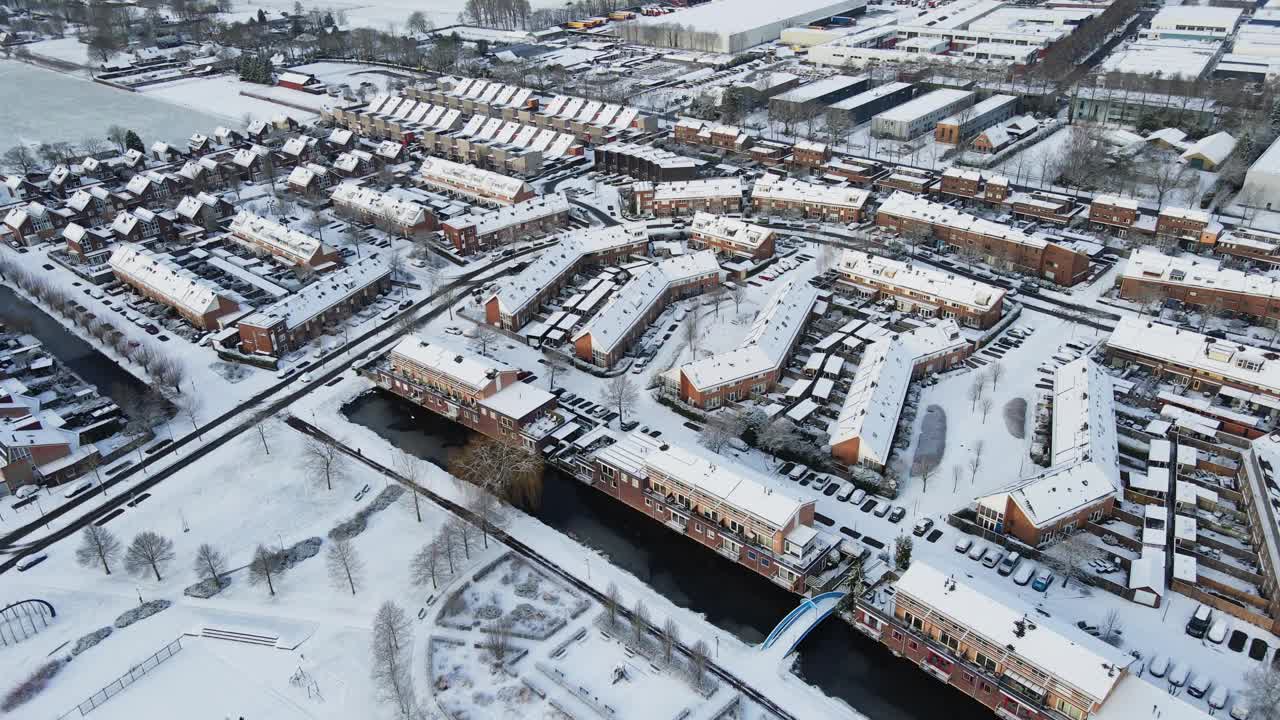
{"x": 345, "y": 566}
{"x": 391, "y": 676}
{"x": 974, "y": 463}
{"x": 719, "y": 430}
{"x": 691, "y": 331}
{"x": 97, "y": 545}
{"x": 620, "y": 393}
{"x": 985, "y": 405}
{"x": 778, "y": 435}
{"x": 410, "y": 468}
{"x": 486, "y": 337}
{"x": 698, "y": 662}
{"x": 323, "y": 459}
{"x": 556, "y": 365}
{"x": 189, "y": 407}
{"x": 149, "y": 550}
{"x": 639, "y": 624}
{"x": 612, "y": 604}
{"x": 461, "y": 531}
{"x": 996, "y": 372}
{"x": 497, "y": 640}
{"x": 265, "y": 568}
{"x": 956, "y": 473}
{"x": 1071, "y": 556}
{"x": 1111, "y": 631}
{"x": 976, "y": 388}
{"x": 209, "y": 563}
{"x": 447, "y": 545}
{"x": 425, "y": 566}
{"x": 1262, "y": 692}
{"x": 263, "y": 421}
{"x": 505, "y": 467}
{"x": 670, "y": 638}
{"x": 486, "y": 508}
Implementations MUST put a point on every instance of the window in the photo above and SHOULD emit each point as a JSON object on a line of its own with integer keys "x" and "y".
{"x": 897, "y": 635}
{"x": 764, "y": 562}
{"x": 648, "y": 502}
{"x": 1069, "y": 710}
{"x": 913, "y": 645}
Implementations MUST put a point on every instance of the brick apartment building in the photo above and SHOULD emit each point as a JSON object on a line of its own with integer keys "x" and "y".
{"x": 32, "y": 453}
{"x": 1256, "y": 247}
{"x": 725, "y": 508}
{"x": 607, "y": 336}
{"x": 473, "y": 183}
{"x": 776, "y": 195}
{"x": 972, "y": 120}
{"x": 721, "y": 196}
{"x": 511, "y": 223}
{"x": 1119, "y": 216}
{"x": 913, "y": 180}
{"x": 645, "y": 162}
{"x": 730, "y": 236}
{"x": 860, "y": 172}
{"x": 997, "y": 244}
{"x": 199, "y": 302}
{"x": 390, "y": 212}
{"x": 1193, "y": 360}
{"x": 1199, "y": 282}
{"x": 479, "y": 393}
{"x": 973, "y": 187}
{"x": 980, "y": 640}
{"x": 691, "y": 131}
{"x": 88, "y": 246}
{"x": 921, "y": 289}
{"x": 1043, "y": 206}
{"x": 519, "y": 298}
{"x": 756, "y": 365}
{"x": 297, "y": 319}
{"x": 1187, "y": 228}
{"x": 810, "y": 154}
{"x": 293, "y": 246}
{"x": 1043, "y": 508}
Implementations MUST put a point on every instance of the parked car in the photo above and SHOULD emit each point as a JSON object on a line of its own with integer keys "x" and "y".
{"x": 27, "y": 491}
{"x": 898, "y": 513}
{"x": 845, "y": 494}
{"x": 1199, "y": 685}
{"x": 963, "y": 544}
{"x": 1240, "y": 711}
{"x": 922, "y": 527}
{"x": 1043, "y": 580}
{"x": 30, "y": 561}
{"x": 1024, "y": 574}
{"x": 78, "y": 488}
{"x": 1218, "y": 698}
{"x": 1009, "y": 563}
{"x": 1200, "y": 620}
{"x": 858, "y": 496}
{"x": 1178, "y": 675}
{"x": 1159, "y": 666}
{"x": 977, "y": 551}
{"x": 993, "y": 558}
{"x": 882, "y": 509}
{"x": 1217, "y": 631}
{"x": 1088, "y": 627}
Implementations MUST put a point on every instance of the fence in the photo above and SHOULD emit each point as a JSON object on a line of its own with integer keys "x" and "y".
{"x": 124, "y": 681}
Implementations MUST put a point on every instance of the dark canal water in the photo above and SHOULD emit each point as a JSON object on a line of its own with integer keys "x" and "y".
{"x": 836, "y": 658}
{"x": 73, "y": 352}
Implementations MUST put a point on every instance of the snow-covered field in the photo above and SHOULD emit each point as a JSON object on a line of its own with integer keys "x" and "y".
{"x": 67, "y": 108}
{"x": 223, "y": 96}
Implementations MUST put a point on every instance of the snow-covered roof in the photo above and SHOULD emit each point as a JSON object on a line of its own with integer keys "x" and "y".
{"x": 297, "y": 78}
{"x": 340, "y": 136}
{"x": 693, "y": 189}
{"x": 294, "y": 146}
{"x": 388, "y": 206}
{"x": 767, "y": 345}
{"x": 471, "y": 180}
{"x": 277, "y": 239}
{"x": 1216, "y": 148}
{"x": 1196, "y": 271}
{"x": 326, "y": 292}
{"x": 628, "y": 306}
{"x": 1176, "y": 17}
{"x": 534, "y": 208}
{"x": 518, "y": 400}
{"x": 776, "y": 187}
{"x": 920, "y": 209}
{"x": 727, "y": 229}
{"x": 464, "y": 367}
{"x": 156, "y": 272}
{"x": 516, "y": 293}
{"x": 1084, "y": 418}
{"x": 1060, "y": 490}
{"x": 926, "y": 104}
{"x": 138, "y": 184}
{"x": 1262, "y": 465}
{"x": 868, "y": 269}
{"x": 649, "y": 153}
{"x": 1062, "y": 653}
{"x": 820, "y": 88}
{"x": 732, "y": 484}
{"x": 874, "y": 402}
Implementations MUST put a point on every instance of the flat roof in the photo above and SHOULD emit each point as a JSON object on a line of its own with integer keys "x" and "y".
{"x": 923, "y": 105}
{"x": 731, "y": 17}
{"x": 820, "y": 88}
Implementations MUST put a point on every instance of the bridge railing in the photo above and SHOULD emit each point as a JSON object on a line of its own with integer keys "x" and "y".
{"x": 805, "y": 606}
{"x": 119, "y": 684}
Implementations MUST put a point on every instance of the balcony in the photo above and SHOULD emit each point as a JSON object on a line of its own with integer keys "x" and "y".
{"x": 731, "y": 553}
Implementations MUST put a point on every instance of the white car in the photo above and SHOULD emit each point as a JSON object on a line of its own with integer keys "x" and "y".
{"x": 1240, "y": 711}
{"x": 1178, "y": 675}
{"x": 1159, "y": 665}
{"x": 1024, "y": 573}
{"x": 1199, "y": 685}
{"x": 1217, "y": 632}
{"x": 30, "y": 561}
{"x": 1218, "y": 698}
{"x": 27, "y": 491}
{"x": 963, "y": 544}
{"x": 306, "y": 377}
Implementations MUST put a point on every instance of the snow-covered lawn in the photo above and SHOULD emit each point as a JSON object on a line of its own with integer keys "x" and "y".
{"x": 68, "y": 108}
{"x": 223, "y": 95}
